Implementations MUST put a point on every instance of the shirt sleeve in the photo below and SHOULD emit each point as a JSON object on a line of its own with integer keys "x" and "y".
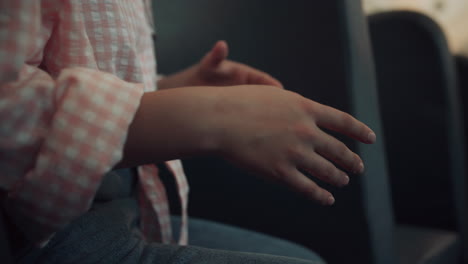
{"x": 58, "y": 136}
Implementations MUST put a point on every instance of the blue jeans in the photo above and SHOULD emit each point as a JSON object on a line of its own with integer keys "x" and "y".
{"x": 109, "y": 233}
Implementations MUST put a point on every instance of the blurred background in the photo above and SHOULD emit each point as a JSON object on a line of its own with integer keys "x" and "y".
{"x": 450, "y": 14}
{"x": 399, "y": 66}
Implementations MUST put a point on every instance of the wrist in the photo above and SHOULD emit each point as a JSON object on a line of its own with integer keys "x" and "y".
{"x": 174, "y": 124}
{"x": 210, "y": 121}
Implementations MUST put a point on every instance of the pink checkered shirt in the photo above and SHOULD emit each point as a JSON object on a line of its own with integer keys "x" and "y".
{"x": 72, "y": 74}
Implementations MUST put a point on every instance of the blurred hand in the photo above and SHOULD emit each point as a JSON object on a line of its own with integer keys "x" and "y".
{"x": 214, "y": 69}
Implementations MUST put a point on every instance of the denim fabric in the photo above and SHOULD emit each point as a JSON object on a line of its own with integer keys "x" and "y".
{"x": 108, "y": 233}
{"x": 208, "y": 234}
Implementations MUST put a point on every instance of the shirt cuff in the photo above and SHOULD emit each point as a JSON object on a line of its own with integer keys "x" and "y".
{"x": 88, "y": 128}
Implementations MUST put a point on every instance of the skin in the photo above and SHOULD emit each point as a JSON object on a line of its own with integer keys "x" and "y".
{"x": 275, "y": 141}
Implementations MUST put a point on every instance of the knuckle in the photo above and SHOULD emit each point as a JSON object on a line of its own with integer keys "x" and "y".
{"x": 346, "y": 120}
{"x": 305, "y": 132}
{"x": 329, "y": 172}
{"x": 295, "y": 152}
{"x": 281, "y": 172}
{"x": 342, "y": 151}
{"x": 307, "y": 105}
{"x": 294, "y": 95}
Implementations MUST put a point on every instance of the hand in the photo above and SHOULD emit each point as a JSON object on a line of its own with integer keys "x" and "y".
{"x": 214, "y": 69}
{"x": 276, "y": 133}
{"x": 271, "y": 132}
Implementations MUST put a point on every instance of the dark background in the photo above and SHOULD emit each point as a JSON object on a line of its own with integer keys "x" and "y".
{"x": 301, "y": 44}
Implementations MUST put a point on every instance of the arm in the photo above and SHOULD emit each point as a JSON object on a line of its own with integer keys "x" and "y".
{"x": 58, "y": 134}
{"x": 273, "y": 141}
{"x": 171, "y": 124}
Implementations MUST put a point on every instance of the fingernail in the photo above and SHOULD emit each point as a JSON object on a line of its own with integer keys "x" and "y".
{"x": 345, "y": 180}
{"x": 371, "y": 137}
{"x": 330, "y": 200}
{"x": 361, "y": 167}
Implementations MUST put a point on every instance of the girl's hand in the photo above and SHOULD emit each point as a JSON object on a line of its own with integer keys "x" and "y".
{"x": 277, "y": 134}
{"x": 271, "y": 132}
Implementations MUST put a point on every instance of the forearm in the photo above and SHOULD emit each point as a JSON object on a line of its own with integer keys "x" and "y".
{"x": 171, "y": 124}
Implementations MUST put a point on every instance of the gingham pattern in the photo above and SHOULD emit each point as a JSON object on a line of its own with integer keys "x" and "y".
{"x": 72, "y": 74}
{"x": 175, "y": 166}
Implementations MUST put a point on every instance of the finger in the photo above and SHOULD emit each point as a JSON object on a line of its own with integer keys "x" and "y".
{"x": 333, "y": 119}
{"x": 299, "y": 183}
{"x": 335, "y": 150}
{"x": 215, "y": 56}
{"x": 261, "y": 78}
{"x": 322, "y": 169}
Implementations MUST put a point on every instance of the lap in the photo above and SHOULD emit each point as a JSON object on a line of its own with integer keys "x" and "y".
{"x": 109, "y": 234}
{"x": 208, "y": 234}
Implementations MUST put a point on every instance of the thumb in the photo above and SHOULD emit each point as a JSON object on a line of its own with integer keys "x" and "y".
{"x": 215, "y": 56}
